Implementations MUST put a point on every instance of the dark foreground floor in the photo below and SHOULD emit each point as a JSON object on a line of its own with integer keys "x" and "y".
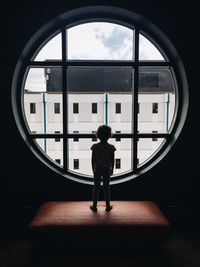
{"x": 183, "y": 250}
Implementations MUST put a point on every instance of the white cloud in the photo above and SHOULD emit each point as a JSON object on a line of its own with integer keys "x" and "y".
{"x": 99, "y": 40}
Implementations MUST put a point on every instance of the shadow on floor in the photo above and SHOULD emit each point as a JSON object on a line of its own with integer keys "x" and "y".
{"x": 183, "y": 250}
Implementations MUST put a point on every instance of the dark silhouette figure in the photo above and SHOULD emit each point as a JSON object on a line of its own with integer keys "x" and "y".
{"x": 102, "y": 165}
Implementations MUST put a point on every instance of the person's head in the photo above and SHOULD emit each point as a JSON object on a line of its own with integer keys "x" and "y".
{"x": 104, "y": 132}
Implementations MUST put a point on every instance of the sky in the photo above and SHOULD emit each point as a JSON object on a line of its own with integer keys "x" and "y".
{"x": 95, "y": 40}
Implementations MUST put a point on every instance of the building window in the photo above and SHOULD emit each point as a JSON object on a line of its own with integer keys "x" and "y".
{"x": 76, "y": 139}
{"x": 118, "y": 139}
{"x": 75, "y": 108}
{"x": 154, "y": 108}
{"x": 58, "y": 161}
{"x": 118, "y": 108}
{"x": 94, "y": 107}
{"x": 122, "y": 73}
{"x": 57, "y": 139}
{"x": 154, "y": 139}
{"x": 76, "y": 164}
{"x": 57, "y": 108}
{"x": 138, "y": 108}
{"x": 94, "y": 139}
{"x": 32, "y": 108}
{"x": 117, "y": 163}
{"x": 138, "y": 139}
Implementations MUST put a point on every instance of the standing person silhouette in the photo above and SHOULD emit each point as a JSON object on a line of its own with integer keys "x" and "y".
{"x": 102, "y": 165}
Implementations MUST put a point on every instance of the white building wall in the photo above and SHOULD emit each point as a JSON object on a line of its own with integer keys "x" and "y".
{"x": 45, "y": 119}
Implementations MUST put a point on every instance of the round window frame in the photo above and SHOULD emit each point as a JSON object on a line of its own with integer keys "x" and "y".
{"x": 104, "y": 14}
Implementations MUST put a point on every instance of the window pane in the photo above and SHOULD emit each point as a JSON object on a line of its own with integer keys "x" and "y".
{"x": 57, "y": 108}
{"x": 99, "y": 89}
{"x": 118, "y": 163}
{"x": 147, "y": 50}
{"x": 76, "y": 108}
{"x": 100, "y": 40}
{"x": 52, "y": 148}
{"x": 76, "y": 164}
{"x": 155, "y": 108}
{"x": 147, "y": 147}
{"x": 81, "y": 150}
{"x": 156, "y": 100}
{"x": 43, "y": 100}
{"x": 118, "y": 139}
{"x": 118, "y": 108}
{"x": 94, "y": 139}
{"x": 94, "y": 107}
{"x": 76, "y": 139}
{"x": 32, "y": 108}
{"x": 124, "y": 151}
{"x": 51, "y": 50}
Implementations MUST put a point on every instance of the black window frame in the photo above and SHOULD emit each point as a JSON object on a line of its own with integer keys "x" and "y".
{"x": 94, "y": 138}
{"x": 154, "y": 139}
{"x": 75, "y": 108}
{"x": 118, "y": 139}
{"x": 155, "y": 107}
{"x": 113, "y": 15}
{"x": 56, "y": 108}
{"x": 76, "y": 139}
{"x": 118, "y": 108}
{"x": 57, "y": 139}
{"x": 76, "y": 164}
{"x": 58, "y": 161}
{"x": 94, "y": 108}
{"x": 32, "y": 108}
{"x": 117, "y": 163}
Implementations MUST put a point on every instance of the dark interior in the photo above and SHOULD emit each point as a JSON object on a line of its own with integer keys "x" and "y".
{"x": 25, "y": 182}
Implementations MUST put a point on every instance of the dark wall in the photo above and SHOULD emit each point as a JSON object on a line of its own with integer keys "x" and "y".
{"x": 24, "y": 178}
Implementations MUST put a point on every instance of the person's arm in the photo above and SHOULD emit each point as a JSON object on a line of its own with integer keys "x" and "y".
{"x": 112, "y": 162}
{"x": 92, "y": 161}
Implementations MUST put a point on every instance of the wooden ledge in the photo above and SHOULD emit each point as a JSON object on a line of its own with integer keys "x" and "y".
{"x": 129, "y": 221}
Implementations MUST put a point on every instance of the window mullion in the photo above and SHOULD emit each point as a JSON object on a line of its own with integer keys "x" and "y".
{"x": 135, "y": 101}
{"x": 64, "y": 91}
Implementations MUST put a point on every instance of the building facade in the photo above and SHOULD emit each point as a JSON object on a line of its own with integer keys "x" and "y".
{"x": 93, "y": 101}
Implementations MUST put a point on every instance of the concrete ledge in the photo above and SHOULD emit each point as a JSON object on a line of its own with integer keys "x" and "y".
{"x": 128, "y": 221}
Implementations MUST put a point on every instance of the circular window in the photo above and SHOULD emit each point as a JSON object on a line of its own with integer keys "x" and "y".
{"x": 94, "y": 66}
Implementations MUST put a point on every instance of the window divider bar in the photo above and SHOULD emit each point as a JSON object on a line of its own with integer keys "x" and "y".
{"x": 64, "y": 91}
{"x": 128, "y": 63}
{"x": 117, "y": 135}
{"x": 135, "y": 103}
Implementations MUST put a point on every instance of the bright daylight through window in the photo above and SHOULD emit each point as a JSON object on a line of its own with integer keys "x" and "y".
{"x": 94, "y": 72}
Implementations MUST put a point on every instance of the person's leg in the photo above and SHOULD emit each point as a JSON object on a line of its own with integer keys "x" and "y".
{"x": 106, "y": 189}
{"x": 96, "y": 188}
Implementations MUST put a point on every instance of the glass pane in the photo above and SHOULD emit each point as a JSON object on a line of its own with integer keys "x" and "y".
{"x": 147, "y": 147}
{"x": 123, "y": 155}
{"x": 156, "y": 100}
{"x": 100, "y": 40}
{"x": 80, "y": 156}
{"x": 110, "y": 88}
{"x": 147, "y": 50}
{"x": 51, "y": 50}
{"x": 53, "y": 148}
{"x": 43, "y": 100}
